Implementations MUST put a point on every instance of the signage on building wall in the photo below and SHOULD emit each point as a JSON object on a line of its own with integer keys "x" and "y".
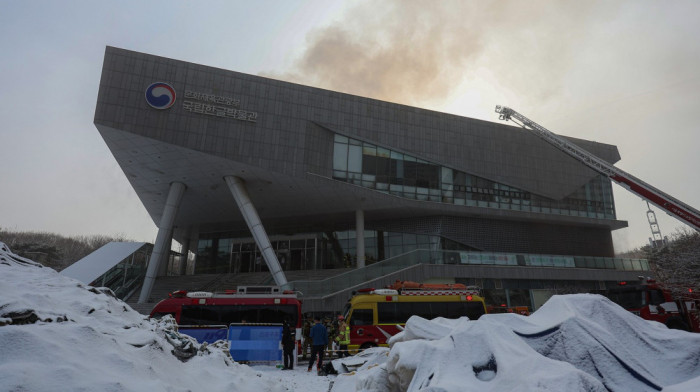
{"x": 161, "y": 95}
{"x": 218, "y": 106}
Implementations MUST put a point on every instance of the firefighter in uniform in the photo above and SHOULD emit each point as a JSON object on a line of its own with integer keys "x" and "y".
{"x": 343, "y": 337}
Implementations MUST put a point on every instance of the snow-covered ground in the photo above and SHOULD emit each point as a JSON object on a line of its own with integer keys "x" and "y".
{"x": 58, "y": 334}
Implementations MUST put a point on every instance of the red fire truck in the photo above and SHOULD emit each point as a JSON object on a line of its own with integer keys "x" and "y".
{"x": 374, "y": 315}
{"x": 206, "y": 315}
{"x": 651, "y": 302}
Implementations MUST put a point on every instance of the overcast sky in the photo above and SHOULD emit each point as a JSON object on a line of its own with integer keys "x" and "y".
{"x": 624, "y": 73}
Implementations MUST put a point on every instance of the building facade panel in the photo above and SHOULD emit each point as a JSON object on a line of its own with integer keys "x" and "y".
{"x": 281, "y": 109}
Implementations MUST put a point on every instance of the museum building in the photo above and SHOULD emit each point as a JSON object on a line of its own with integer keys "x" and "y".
{"x": 254, "y": 174}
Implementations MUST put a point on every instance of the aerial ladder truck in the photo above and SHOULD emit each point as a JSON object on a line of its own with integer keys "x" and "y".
{"x": 662, "y": 200}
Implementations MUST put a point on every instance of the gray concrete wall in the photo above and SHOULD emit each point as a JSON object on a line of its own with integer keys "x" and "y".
{"x": 278, "y": 140}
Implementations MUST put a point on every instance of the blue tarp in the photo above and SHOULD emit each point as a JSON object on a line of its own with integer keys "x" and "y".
{"x": 252, "y": 343}
{"x": 255, "y": 343}
{"x": 209, "y": 335}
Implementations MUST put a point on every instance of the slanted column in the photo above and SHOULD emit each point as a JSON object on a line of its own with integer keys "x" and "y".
{"x": 165, "y": 260}
{"x": 245, "y": 205}
{"x": 161, "y": 249}
{"x": 360, "y": 237}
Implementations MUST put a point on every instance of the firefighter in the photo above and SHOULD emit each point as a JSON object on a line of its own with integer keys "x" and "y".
{"x": 343, "y": 337}
{"x": 288, "y": 341}
{"x": 306, "y": 334}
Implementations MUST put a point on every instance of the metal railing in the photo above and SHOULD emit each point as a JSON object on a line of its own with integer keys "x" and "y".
{"x": 320, "y": 288}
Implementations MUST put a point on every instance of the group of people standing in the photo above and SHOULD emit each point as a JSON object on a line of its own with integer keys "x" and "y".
{"x": 320, "y": 336}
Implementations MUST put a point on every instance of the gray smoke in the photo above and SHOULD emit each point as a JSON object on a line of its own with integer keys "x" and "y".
{"x": 417, "y": 52}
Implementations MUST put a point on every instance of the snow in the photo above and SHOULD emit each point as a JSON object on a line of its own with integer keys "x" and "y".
{"x": 56, "y": 333}
{"x": 88, "y": 340}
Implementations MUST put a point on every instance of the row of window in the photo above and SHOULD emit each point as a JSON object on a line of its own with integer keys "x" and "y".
{"x": 227, "y": 314}
{"x": 406, "y": 176}
{"x": 485, "y": 258}
{"x": 317, "y": 251}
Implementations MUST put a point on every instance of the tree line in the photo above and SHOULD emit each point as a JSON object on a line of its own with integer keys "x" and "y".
{"x": 676, "y": 265}
{"x": 54, "y": 250}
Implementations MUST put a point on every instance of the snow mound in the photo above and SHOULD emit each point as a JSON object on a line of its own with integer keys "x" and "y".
{"x": 363, "y": 369}
{"x": 462, "y": 355}
{"x": 573, "y": 343}
{"x": 623, "y": 351}
{"x": 58, "y": 334}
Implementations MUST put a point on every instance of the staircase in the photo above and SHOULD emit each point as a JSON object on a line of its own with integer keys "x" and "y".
{"x": 165, "y": 285}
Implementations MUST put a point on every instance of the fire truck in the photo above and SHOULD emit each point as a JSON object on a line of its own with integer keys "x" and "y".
{"x": 375, "y": 315}
{"x": 206, "y": 316}
{"x": 503, "y": 308}
{"x": 651, "y": 302}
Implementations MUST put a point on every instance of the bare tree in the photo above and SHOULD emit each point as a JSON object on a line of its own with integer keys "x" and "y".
{"x": 677, "y": 265}
{"x": 54, "y": 250}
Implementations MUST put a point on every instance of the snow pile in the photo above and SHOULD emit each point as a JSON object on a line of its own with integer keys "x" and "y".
{"x": 58, "y": 334}
{"x": 460, "y": 355}
{"x": 621, "y": 350}
{"x": 573, "y": 343}
{"x": 362, "y": 369}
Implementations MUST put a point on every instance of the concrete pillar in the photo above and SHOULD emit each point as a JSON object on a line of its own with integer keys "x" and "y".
{"x": 161, "y": 249}
{"x": 360, "y": 237}
{"x": 245, "y": 205}
{"x": 165, "y": 258}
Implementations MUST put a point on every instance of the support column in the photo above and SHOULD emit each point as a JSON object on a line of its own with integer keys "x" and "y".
{"x": 245, "y": 205}
{"x": 360, "y": 237}
{"x": 165, "y": 259}
{"x": 161, "y": 249}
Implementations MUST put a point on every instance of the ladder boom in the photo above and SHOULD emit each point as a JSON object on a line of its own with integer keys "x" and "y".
{"x": 666, "y": 202}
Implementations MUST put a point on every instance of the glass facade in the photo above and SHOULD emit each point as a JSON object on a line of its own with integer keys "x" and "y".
{"x": 306, "y": 251}
{"x": 403, "y": 175}
{"x": 128, "y": 274}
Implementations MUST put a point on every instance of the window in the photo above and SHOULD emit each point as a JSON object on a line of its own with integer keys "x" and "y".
{"x": 362, "y": 317}
{"x": 226, "y": 314}
{"x": 656, "y": 297}
{"x": 340, "y": 157}
{"x": 355, "y": 159}
{"x": 199, "y": 315}
{"x": 632, "y": 299}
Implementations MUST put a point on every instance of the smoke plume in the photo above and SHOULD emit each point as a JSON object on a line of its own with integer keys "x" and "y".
{"x": 419, "y": 52}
